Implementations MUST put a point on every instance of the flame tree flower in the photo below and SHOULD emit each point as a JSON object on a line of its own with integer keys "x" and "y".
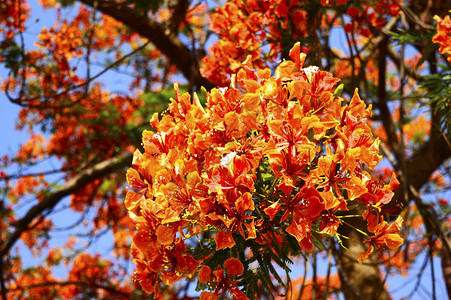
{"x": 443, "y": 35}
{"x": 259, "y": 174}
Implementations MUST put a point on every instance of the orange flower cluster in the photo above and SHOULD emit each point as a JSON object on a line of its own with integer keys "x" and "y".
{"x": 234, "y": 267}
{"x": 92, "y": 270}
{"x": 369, "y": 15}
{"x": 13, "y": 14}
{"x": 68, "y": 40}
{"x": 38, "y": 277}
{"x": 243, "y": 27}
{"x": 269, "y": 159}
{"x": 443, "y": 35}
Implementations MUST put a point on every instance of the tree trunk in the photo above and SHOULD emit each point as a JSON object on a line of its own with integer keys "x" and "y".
{"x": 358, "y": 281}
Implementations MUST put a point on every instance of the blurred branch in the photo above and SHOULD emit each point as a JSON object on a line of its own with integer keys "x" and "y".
{"x": 401, "y": 63}
{"x": 49, "y": 172}
{"x": 413, "y": 17}
{"x": 85, "y": 84}
{"x": 420, "y": 273}
{"x": 344, "y": 278}
{"x": 161, "y": 37}
{"x": 446, "y": 270}
{"x": 430, "y": 219}
{"x": 428, "y": 214}
{"x": 76, "y": 183}
{"x": 180, "y": 8}
{"x": 426, "y": 160}
{"x": 385, "y": 113}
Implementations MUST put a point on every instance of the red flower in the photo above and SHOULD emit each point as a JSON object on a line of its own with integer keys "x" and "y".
{"x": 385, "y": 236}
{"x": 222, "y": 283}
{"x": 305, "y": 207}
{"x": 443, "y": 35}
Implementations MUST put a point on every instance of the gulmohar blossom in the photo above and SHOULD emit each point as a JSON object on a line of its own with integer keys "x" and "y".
{"x": 268, "y": 162}
{"x": 443, "y": 35}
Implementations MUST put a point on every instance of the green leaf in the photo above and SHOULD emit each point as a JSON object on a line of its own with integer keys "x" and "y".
{"x": 311, "y": 134}
{"x": 203, "y": 91}
{"x": 438, "y": 91}
{"x": 427, "y": 52}
{"x": 12, "y": 56}
{"x": 408, "y": 37}
{"x": 339, "y": 90}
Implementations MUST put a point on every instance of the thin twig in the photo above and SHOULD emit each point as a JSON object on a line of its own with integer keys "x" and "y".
{"x": 413, "y": 17}
{"x": 420, "y": 274}
{"x": 314, "y": 277}
{"x": 77, "y": 182}
{"x": 431, "y": 246}
{"x": 329, "y": 265}
{"x": 20, "y": 101}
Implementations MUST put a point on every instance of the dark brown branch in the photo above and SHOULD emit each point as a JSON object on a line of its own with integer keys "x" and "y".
{"x": 180, "y": 8}
{"x": 426, "y": 160}
{"x": 413, "y": 17}
{"x": 385, "y": 113}
{"x": 20, "y": 101}
{"x": 428, "y": 214}
{"x": 76, "y": 183}
{"x": 160, "y": 36}
{"x": 400, "y": 63}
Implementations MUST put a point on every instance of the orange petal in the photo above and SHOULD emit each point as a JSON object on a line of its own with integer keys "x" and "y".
{"x": 224, "y": 240}
{"x": 393, "y": 241}
{"x": 297, "y": 228}
{"x": 204, "y": 274}
{"x": 272, "y": 210}
{"x": 365, "y": 255}
{"x": 164, "y": 235}
{"x": 234, "y": 266}
{"x": 297, "y": 56}
{"x": 133, "y": 199}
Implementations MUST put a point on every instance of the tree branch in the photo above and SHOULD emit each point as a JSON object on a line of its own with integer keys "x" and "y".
{"x": 76, "y": 183}
{"x": 426, "y": 160}
{"x": 385, "y": 113}
{"x": 51, "y": 98}
{"x": 159, "y": 35}
{"x": 401, "y": 63}
{"x": 430, "y": 217}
